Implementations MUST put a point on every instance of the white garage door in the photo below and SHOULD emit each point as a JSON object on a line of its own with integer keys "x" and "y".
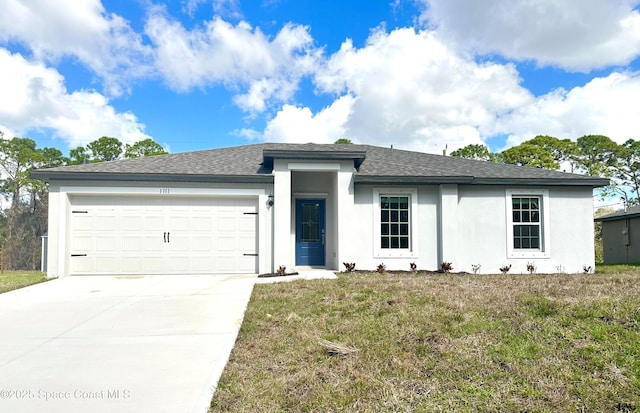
{"x": 163, "y": 235}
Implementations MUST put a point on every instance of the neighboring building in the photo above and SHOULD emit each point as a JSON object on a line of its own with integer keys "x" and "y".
{"x": 251, "y": 209}
{"x": 621, "y": 236}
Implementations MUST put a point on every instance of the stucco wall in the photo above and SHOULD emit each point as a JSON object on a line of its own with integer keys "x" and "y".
{"x": 483, "y": 231}
{"x": 360, "y": 232}
{"x": 473, "y": 230}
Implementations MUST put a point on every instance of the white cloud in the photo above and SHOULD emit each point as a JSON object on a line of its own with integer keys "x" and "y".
{"x": 80, "y": 29}
{"x": 34, "y": 97}
{"x": 574, "y": 35}
{"x": 604, "y": 106}
{"x": 416, "y": 93}
{"x": 237, "y": 56}
{"x": 294, "y": 124}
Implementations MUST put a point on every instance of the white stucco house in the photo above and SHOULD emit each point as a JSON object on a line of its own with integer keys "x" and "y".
{"x": 253, "y": 208}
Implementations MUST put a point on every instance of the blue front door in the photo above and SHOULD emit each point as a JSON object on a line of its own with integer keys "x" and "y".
{"x": 310, "y": 233}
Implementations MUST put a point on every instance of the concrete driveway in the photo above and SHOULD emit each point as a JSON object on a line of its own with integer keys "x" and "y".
{"x": 118, "y": 344}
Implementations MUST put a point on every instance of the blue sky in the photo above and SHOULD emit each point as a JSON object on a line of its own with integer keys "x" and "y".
{"x": 418, "y": 74}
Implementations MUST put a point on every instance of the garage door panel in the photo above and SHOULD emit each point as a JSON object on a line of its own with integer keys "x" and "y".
{"x": 106, "y": 243}
{"x": 154, "y": 235}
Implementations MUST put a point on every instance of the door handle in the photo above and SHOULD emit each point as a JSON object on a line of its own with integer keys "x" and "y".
{"x": 323, "y": 237}
{"x": 164, "y": 236}
{"x": 168, "y": 240}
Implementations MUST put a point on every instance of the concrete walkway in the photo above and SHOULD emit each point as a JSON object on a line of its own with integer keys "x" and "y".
{"x": 118, "y": 344}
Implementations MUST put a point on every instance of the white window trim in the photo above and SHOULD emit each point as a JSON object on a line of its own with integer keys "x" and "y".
{"x": 545, "y": 238}
{"x": 412, "y": 251}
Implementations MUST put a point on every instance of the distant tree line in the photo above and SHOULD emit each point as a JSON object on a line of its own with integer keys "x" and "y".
{"x": 23, "y": 220}
{"x": 594, "y": 155}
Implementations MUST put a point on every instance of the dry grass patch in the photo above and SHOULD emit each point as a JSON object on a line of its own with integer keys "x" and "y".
{"x": 438, "y": 343}
{"x": 12, "y": 280}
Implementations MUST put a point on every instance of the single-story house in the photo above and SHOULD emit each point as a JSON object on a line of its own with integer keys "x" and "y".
{"x": 621, "y": 236}
{"x": 254, "y": 208}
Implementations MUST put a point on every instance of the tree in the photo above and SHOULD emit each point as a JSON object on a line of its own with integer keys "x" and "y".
{"x": 146, "y": 147}
{"x": 105, "y": 149}
{"x": 26, "y": 218}
{"x": 597, "y": 155}
{"x": 343, "y": 141}
{"x": 562, "y": 150}
{"x": 527, "y": 154}
{"x": 627, "y": 169}
{"x": 474, "y": 151}
{"x": 78, "y": 156}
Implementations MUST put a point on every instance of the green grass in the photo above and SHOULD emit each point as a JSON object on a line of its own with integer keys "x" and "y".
{"x": 425, "y": 343}
{"x": 12, "y": 280}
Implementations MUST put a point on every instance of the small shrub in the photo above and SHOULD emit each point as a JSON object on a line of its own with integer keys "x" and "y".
{"x": 446, "y": 266}
{"x": 381, "y": 268}
{"x": 531, "y": 267}
{"x": 413, "y": 267}
{"x": 350, "y": 266}
{"x": 475, "y": 268}
{"x": 282, "y": 270}
{"x": 587, "y": 270}
{"x": 505, "y": 269}
{"x": 560, "y": 269}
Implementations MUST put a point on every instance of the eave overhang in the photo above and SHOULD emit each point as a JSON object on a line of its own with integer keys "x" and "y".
{"x": 155, "y": 177}
{"x": 470, "y": 180}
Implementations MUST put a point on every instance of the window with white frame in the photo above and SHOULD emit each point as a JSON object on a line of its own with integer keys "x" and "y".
{"x": 395, "y": 222}
{"x": 527, "y": 223}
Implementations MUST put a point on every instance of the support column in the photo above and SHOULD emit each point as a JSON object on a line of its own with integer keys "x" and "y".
{"x": 448, "y": 244}
{"x": 282, "y": 241}
{"x": 344, "y": 210}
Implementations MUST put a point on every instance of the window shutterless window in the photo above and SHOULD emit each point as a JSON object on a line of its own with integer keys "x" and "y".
{"x": 528, "y": 223}
{"x": 395, "y": 222}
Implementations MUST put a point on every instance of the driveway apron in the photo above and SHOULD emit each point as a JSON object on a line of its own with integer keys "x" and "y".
{"x": 118, "y": 344}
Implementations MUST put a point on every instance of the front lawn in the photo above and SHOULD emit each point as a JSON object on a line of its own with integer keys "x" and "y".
{"x": 421, "y": 343}
{"x": 12, "y": 280}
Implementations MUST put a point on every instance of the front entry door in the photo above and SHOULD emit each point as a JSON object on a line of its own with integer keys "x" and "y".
{"x": 310, "y": 232}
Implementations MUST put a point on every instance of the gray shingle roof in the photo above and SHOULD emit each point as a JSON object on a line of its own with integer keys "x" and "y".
{"x": 631, "y": 212}
{"x": 251, "y": 163}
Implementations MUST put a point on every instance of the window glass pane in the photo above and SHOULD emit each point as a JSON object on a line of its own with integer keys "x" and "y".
{"x": 526, "y": 243}
{"x": 535, "y": 243}
{"x": 516, "y": 230}
{"x": 515, "y": 203}
{"x": 516, "y": 216}
{"x": 525, "y": 216}
{"x": 524, "y": 203}
{"x": 535, "y": 216}
{"x": 535, "y": 203}
{"x": 310, "y": 222}
{"x": 516, "y": 243}
{"x": 394, "y": 221}
{"x": 535, "y": 231}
